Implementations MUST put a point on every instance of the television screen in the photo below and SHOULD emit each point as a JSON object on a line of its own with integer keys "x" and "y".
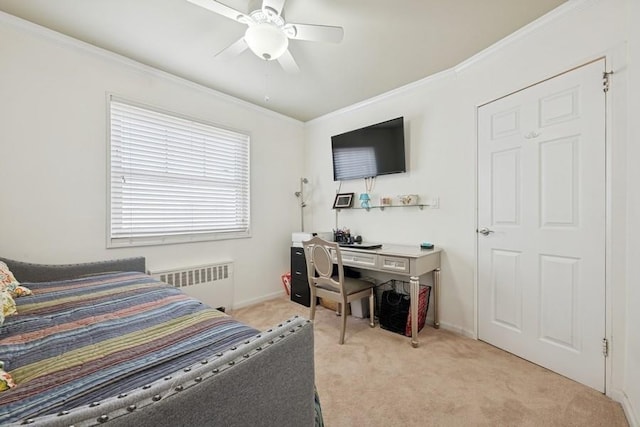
{"x": 370, "y": 151}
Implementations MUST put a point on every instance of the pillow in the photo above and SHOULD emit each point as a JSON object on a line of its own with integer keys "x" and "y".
{"x": 9, "y": 283}
{"x": 6, "y": 382}
{"x": 21, "y": 291}
{"x": 7, "y": 305}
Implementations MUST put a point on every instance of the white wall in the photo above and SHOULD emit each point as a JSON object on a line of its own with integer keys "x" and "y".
{"x": 437, "y": 167}
{"x": 632, "y": 369}
{"x": 53, "y": 159}
{"x": 441, "y": 113}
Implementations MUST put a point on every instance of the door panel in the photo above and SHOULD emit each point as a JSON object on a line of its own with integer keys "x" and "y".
{"x": 506, "y": 289}
{"x": 559, "y": 301}
{"x": 505, "y": 187}
{"x": 559, "y": 197}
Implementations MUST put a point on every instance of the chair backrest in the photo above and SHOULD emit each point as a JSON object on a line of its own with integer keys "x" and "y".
{"x": 320, "y": 259}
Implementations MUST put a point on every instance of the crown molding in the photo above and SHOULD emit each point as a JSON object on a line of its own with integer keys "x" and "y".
{"x": 442, "y": 75}
{"x": 569, "y": 7}
{"x": 75, "y": 44}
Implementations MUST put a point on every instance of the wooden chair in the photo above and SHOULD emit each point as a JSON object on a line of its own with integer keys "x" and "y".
{"x": 321, "y": 257}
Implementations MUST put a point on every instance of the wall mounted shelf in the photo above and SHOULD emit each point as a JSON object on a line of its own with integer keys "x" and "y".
{"x": 421, "y": 206}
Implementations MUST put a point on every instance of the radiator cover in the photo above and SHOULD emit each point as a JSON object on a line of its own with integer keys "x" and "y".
{"x": 212, "y": 283}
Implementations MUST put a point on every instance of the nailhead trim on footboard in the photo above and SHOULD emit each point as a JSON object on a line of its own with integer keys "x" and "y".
{"x": 178, "y": 382}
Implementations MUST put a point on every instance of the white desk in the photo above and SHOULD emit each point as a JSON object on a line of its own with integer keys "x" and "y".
{"x": 406, "y": 261}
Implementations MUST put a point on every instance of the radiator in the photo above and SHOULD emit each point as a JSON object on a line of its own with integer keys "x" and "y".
{"x": 210, "y": 283}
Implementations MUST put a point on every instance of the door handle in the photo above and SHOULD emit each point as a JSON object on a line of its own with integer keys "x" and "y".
{"x": 485, "y": 231}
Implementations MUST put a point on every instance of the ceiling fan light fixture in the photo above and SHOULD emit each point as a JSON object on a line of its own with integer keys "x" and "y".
{"x": 266, "y": 40}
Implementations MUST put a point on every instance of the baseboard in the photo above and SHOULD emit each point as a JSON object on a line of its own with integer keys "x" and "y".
{"x": 253, "y": 301}
{"x": 457, "y": 330}
{"x": 443, "y": 325}
{"x": 627, "y": 407}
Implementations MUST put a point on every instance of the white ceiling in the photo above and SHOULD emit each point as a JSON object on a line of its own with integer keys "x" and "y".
{"x": 387, "y": 44}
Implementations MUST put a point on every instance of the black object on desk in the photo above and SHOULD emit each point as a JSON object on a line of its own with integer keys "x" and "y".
{"x": 363, "y": 245}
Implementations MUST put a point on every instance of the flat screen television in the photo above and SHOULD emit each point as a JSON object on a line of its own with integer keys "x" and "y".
{"x": 370, "y": 151}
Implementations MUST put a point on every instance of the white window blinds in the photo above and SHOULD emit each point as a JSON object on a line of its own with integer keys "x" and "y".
{"x": 174, "y": 179}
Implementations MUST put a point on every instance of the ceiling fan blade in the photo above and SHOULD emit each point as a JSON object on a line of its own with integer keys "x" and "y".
{"x": 234, "y": 49}
{"x": 223, "y": 10}
{"x": 316, "y": 33}
{"x": 275, "y": 5}
{"x": 288, "y": 63}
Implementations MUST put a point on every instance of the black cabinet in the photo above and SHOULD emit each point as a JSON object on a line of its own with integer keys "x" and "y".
{"x": 300, "y": 292}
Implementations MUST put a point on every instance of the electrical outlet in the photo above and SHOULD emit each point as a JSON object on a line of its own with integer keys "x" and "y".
{"x": 434, "y": 203}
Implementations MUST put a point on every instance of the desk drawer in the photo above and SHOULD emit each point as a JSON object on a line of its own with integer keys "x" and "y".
{"x": 300, "y": 292}
{"x": 394, "y": 263}
{"x": 359, "y": 259}
{"x": 298, "y": 263}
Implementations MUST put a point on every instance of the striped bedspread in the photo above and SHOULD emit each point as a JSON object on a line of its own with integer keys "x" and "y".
{"x": 78, "y": 341}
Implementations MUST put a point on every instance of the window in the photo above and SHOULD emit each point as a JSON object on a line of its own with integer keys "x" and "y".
{"x": 173, "y": 179}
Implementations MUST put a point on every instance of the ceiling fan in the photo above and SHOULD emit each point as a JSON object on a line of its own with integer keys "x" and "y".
{"x": 268, "y": 33}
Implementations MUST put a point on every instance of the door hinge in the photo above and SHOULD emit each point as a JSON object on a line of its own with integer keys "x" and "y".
{"x": 606, "y": 80}
{"x": 605, "y": 347}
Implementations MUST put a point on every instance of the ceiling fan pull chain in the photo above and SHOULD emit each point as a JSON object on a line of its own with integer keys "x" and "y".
{"x": 266, "y": 82}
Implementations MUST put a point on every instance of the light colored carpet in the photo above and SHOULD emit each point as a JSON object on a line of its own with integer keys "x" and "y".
{"x": 377, "y": 379}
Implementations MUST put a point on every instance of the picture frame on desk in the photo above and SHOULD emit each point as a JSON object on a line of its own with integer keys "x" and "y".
{"x": 343, "y": 201}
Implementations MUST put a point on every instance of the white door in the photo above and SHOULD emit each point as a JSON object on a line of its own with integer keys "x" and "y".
{"x": 541, "y": 221}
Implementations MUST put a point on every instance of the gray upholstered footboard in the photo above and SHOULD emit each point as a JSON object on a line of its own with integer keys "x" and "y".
{"x": 29, "y": 272}
{"x": 268, "y": 381}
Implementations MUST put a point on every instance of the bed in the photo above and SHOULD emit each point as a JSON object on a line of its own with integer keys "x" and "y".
{"x": 104, "y": 343}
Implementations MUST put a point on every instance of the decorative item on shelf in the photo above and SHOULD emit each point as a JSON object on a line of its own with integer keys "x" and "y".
{"x": 364, "y": 200}
{"x": 343, "y": 200}
{"x": 385, "y": 201}
{"x": 408, "y": 199}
